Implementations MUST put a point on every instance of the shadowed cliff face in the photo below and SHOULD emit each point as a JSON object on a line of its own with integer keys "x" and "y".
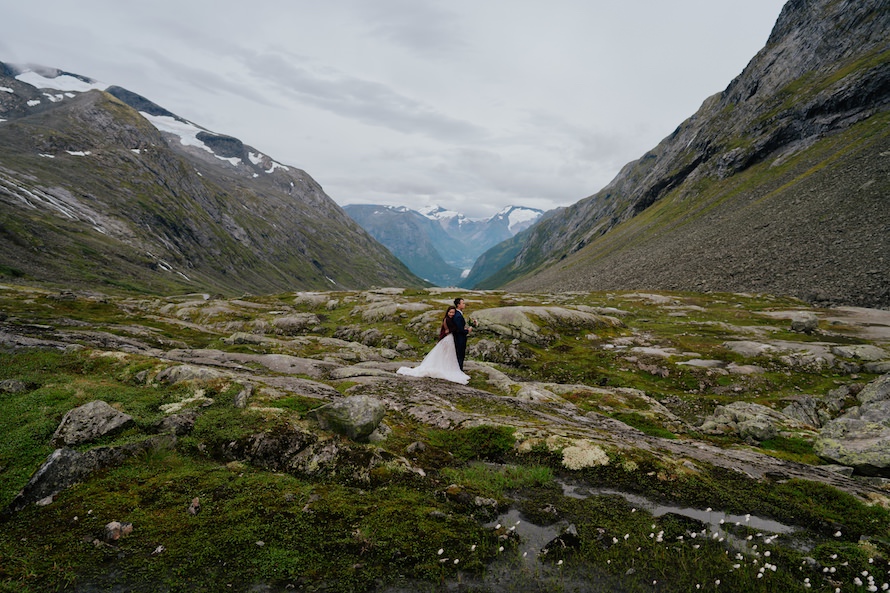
{"x": 776, "y": 184}
{"x": 95, "y": 196}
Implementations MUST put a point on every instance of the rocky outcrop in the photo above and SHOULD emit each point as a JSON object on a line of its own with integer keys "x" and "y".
{"x": 861, "y": 437}
{"x": 88, "y": 423}
{"x": 751, "y": 422}
{"x": 537, "y": 325}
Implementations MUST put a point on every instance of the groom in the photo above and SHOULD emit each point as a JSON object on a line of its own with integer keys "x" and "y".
{"x": 460, "y": 334}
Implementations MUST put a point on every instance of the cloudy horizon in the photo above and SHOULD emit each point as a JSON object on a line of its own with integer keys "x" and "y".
{"x": 471, "y": 106}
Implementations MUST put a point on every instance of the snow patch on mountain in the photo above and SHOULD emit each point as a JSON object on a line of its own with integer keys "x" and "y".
{"x": 185, "y": 130}
{"x": 519, "y": 218}
{"x": 60, "y": 82}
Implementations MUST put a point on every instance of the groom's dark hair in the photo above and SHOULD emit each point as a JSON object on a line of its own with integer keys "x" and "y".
{"x": 457, "y": 301}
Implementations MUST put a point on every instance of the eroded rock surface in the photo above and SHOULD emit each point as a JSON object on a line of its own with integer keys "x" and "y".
{"x": 89, "y": 422}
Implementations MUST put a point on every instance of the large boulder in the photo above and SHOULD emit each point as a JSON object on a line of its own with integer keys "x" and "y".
{"x": 876, "y": 391}
{"x": 356, "y": 417}
{"x": 89, "y": 422}
{"x": 861, "y": 438}
{"x": 817, "y": 411}
{"x": 804, "y": 321}
{"x": 296, "y": 323}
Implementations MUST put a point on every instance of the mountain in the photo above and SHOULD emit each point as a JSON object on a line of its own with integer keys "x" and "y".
{"x": 413, "y": 238}
{"x": 101, "y": 188}
{"x": 479, "y": 234}
{"x": 437, "y": 244}
{"x": 488, "y": 268}
{"x": 778, "y": 184}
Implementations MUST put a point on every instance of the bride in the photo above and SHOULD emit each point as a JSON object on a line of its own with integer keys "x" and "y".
{"x": 441, "y": 362}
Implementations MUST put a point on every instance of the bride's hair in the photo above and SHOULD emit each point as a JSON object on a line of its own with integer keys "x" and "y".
{"x": 443, "y": 329}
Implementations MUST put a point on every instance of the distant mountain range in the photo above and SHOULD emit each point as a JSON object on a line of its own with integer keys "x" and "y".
{"x": 103, "y": 189}
{"x": 438, "y": 244}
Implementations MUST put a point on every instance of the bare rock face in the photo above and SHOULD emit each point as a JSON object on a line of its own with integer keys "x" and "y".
{"x": 535, "y": 324}
{"x": 861, "y": 438}
{"x": 88, "y": 423}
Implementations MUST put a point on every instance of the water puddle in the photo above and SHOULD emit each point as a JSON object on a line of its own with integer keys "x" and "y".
{"x": 715, "y": 520}
{"x": 532, "y": 538}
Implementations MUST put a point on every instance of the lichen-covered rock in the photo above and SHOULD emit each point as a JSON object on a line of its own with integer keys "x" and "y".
{"x": 752, "y": 422}
{"x": 355, "y": 417}
{"x": 858, "y": 442}
{"x": 536, "y": 325}
{"x": 861, "y": 438}
{"x": 876, "y": 391}
{"x": 805, "y": 322}
{"x": 583, "y": 454}
{"x": 187, "y": 372}
{"x": 864, "y": 352}
{"x": 13, "y": 386}
{"x": 89, "y": 422}
{"x": 295, "y": 324}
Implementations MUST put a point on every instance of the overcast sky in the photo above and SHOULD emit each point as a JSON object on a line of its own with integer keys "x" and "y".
{"x": 470, "y": 104}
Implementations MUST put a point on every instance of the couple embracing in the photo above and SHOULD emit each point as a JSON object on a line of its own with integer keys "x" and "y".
{"x": 446, "y": 359}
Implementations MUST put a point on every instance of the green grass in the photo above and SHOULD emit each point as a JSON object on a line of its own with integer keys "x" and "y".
{"x": 253, "y": 527}
{"x": 490, "y": 443}
{"x": 497, "y": 481}
{"x": 644, "y": 424}
{"x": 792, "y": 449}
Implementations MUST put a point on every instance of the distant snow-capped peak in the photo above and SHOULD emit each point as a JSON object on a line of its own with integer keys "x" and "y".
{"x": 437, "y": 212}
{"x": 516, "y": 217}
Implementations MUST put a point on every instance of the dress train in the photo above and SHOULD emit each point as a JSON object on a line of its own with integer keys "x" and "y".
{"x": 440, "y": 363}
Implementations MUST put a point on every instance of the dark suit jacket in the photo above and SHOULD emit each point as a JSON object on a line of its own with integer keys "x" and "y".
{"x": 460, "y": 330}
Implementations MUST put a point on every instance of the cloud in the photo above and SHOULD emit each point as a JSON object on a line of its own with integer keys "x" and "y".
{"x": 403, "y": 102}
{"x": 418, "y": 27}
{"x": 369, "y": 102}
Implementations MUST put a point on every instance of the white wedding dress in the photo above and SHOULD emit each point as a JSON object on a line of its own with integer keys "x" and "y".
{"x": 441, "y": 363}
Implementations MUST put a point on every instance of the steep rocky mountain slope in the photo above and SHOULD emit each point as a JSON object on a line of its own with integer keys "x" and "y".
{"x": 778, "y": 184}
{"x": 105, "y": 189}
